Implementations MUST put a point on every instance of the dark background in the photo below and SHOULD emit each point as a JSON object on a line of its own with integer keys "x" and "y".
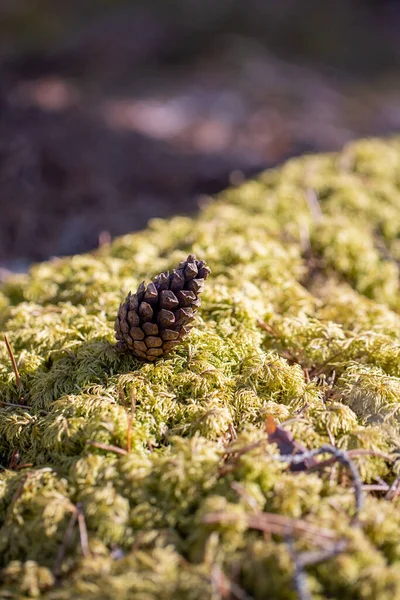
{"x": 115, "y": 111}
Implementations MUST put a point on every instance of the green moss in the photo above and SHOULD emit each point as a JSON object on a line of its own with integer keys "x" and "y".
{"x": 326, "y": 287}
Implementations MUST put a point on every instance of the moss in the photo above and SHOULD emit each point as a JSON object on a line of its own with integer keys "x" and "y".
{"x": 326, "y": 359}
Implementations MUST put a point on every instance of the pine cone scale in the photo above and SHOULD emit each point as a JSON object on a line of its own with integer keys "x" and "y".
{"x": 153, "y": 321}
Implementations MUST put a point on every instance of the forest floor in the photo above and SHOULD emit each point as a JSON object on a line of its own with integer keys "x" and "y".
{"x": 91, "y": 156}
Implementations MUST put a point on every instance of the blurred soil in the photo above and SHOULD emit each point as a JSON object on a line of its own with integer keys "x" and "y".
{"x": 102, "y": 135}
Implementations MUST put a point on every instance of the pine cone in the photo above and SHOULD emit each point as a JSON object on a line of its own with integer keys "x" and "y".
{"x": 152, "y": 322}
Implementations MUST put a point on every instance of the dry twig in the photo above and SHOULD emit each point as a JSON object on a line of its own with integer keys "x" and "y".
{"x": 227, "y": 589}
{"x": 109, "y": 448}
{"x": 14, "y": 459}
{"x": 299, "y": 576}
{"x": 278, "y": 525}
{"x": 130, "y": 421}
{"x": 64, "y": 544}
{"x": 341, "y": 456}
{"x": 314, "y": 205}
{"x": 14, "y": 364}
{"x": 317, "y": 556}
{"x": 83, "y": 531}
{"x": 394, "y": 489}
{"x": 16, "y": 405}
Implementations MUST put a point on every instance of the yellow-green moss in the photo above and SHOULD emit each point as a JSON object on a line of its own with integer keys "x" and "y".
{"x": 327, "y": 288}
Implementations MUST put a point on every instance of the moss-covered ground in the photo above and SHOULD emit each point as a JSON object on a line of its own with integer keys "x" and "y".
{"x": 300, "y": 320}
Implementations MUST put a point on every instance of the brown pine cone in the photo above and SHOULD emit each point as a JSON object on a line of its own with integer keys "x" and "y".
{"x": 152, "y": 322}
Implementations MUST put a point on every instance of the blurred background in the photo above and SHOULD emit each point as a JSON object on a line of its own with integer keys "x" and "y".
{"x": 116, "y": 111}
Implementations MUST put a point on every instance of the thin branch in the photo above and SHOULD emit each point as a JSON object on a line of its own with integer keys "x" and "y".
{"x": 238, "y": 452}
{"x": 304, "y": 233}
{"x": 231, "y": 456}
{"x": 129, "y": 434}
{"x": 107, "y": 447}
{"x": 232, "y": 431}
{"x": 130, "y": 421}
{"x": 299, "y": 576}
{"x": 313, "y": 205}
{"x": 366, "y": 452}
{"x": 286, "y": 353}
{"x": 19, "y": 489}
{"x": 104, "y": 238}
{"x": 352, "y": 454}
{"x": 121, "y": 394}
{"x": 247, "y": 497}
{"x": 14, "y": 364}
{"x": 330, "y": 436}
{"x": 376, "y": 487}
{"x": 318, "y": 556}
{"x": 268, "y": 328}
{"x": 83, "y": 531}
{"x": 14, "y": 459}
{"x": 394, "y": 489}
{"x": 278, "y": 525}
{"x": 320, "y": 369}
{"x": 341, "y": 456}
{"x": 16, "y": 405}
{"x": 64, "y": 544}
{"x": 225, "y": 587}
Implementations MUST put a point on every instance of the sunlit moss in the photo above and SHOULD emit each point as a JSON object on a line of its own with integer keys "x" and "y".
{"x": 300, "y": 320}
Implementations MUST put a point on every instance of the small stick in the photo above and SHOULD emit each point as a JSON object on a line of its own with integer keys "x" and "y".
{"x": 121, "y": 394}
{"x": 130, "y": 421}
{"x": 104, "y": 238}
{"x": 232, "y": 431}
{"x": 14, "y": 364}
{"x": 366, "y": 452}
{"x": 304, "y": 233}
{"x": 110, "y": 448}
{"x": 244, "y": 449}
{"x": 19, "y": 489}
{"x": 332, "y": 476}
{"x": 341, "y": 456}
{"x": 394, "y": 489}
{"x": 314, "y": 205}
{"x": 236, "y": 453}
{"x": 247, "y": 497}
{"x": 64, "y": 544}
{"x": 227, "y": 588}
{"x": 14, "y": 459}
{"x": 278, "y": 525}
{"x": 321, "y": 367}
{"x": 330, "y": 436}
{"x": 286, "y": 353}
{"x": 299, "y": 577}
{"x": 376, "y": 487}
{"x": 268, "y": 328}
{"x": 318, "y": 556}
{"x": 352, "y": 453}
{"x": 16, "y": 405}
{"x": 129, "y": 434}
{"x": 83, "y": 534}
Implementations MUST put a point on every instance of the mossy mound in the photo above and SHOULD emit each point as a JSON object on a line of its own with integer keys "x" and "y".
{"x": 310, "y": 250}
